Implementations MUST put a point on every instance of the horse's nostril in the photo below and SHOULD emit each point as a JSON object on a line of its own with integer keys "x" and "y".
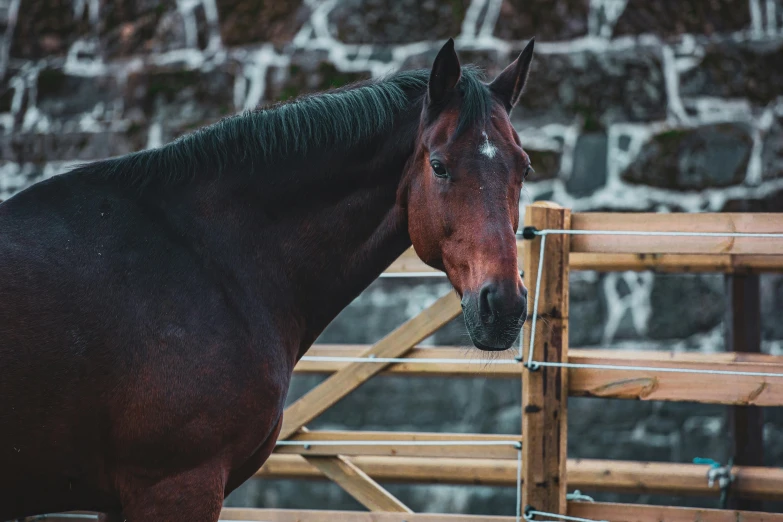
{"x": 487, "y": 308}
{"x": 501, "y": 302}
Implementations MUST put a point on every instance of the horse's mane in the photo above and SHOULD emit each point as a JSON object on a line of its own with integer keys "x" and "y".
{"x": 333, "y": 120}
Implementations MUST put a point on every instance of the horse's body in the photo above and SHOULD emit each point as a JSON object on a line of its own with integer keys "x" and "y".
{"x": 149, "y": 325}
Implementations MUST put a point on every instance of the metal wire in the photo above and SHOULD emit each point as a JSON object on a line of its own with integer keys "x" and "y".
{"x": 554, "y": 516}
{"x": 514, "y": 443}
{"x": 405, "y": 360}
{"x": 759, "y": 235}
{"x": 532, "y": 365}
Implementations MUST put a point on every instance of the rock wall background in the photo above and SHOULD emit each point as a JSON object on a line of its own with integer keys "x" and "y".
{"x": 631, "y": 105}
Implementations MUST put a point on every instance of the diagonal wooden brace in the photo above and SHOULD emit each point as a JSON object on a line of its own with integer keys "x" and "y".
{"x": 339, "y": 469}
{"x": 343, "y": 382}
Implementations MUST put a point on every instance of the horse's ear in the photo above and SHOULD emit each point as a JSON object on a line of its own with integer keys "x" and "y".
{"x": 509, "y": 84}
{"x": 445, "y": 74}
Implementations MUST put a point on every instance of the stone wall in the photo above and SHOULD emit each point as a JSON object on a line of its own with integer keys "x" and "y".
{"x": 631, "y": 105}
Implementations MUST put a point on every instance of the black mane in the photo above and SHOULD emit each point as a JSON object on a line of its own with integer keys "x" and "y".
{"x": 334, "y": 120}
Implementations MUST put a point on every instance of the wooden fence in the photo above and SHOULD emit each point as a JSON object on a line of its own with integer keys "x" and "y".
{"x": 546, "y": 472}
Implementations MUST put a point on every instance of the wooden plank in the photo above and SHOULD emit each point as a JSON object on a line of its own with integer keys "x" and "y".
{"x": 545, "y": 391}
{"x": 641, "y": 513}
{"x": 478, "y": 368}
{"x": 670, "y": 478}
{"x": 358, "y": 484}
{"x": 656, "y": 262}
{"x": 593, "y": 511}
{"x": 678, "y": 222}
{"x": 503, "y": 451}
{"x": 743, "y": 335}
{"x": 586, "y": 475}
{"x": 477, "y": 361}
{"x": 68, "y": 516}
{"x": 616, "y": 384}
{"x": 676, "y": 263}
{"x": 290, "y": 515}
{"x": 687, "y": 387}
{"x": 675, "y": 358}
{"x": 396, "y": 344}
{"x": 409, "y": 262}
{"x": 415, "y": 470}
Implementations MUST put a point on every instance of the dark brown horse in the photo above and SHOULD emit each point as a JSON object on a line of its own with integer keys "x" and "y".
{"x": 153, "y": 306}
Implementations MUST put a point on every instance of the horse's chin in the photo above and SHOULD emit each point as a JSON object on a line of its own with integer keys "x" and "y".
{"x": 484, "y": 340}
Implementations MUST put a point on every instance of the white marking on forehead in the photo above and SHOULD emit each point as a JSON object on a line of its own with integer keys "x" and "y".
{"x": 487, "y": 148}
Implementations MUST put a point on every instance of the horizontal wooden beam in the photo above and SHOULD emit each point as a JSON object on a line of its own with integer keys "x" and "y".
{"x": 670, "y": 478}
{"x": 417, "y": 365}
{"x": 344, "y": 443}
{"x": 410, "y": 263}
{"x": 415, "y": 470}
{"x": 312, "y": 515}
{"x": 650, "y": 384}
{"x": 593, "y": 382}
{"x": 676, "y": 263}
{"x": 588, "y": 510}
{"x": 677, "y": 222}
{"x": 642, "y": 513}
{"x": 586, "y": 475}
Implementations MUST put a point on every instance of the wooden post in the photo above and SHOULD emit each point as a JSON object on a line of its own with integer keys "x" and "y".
{"x": 545, "y": 390}
{"x": 743, "y": 334}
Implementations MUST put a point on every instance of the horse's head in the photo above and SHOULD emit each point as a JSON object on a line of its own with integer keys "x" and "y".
{"x": 463, "y": 195}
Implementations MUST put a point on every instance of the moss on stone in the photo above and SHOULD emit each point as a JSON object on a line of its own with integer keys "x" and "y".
{"x": 249, "y": 21}
{"x": 670, "y": 136}
{"x": 671, "y": 18}
{"x": 752, "y": 70}
{"x": 591, "y": 120}
{"x": 46, "y": 28}
{"x": 306, "y": 78}
{"x": 288, "y": 93}
{"x": 400, "y": 21}
{"x": 693, "y": 159}
{"x": 168, "y": 84}
{"x": 332, "y": 78}
{"x": 130, "y": 26}
{"x": 547, "y": 20}
{"x": 457, "y": 9}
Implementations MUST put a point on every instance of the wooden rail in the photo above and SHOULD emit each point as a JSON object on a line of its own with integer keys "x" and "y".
{"x": 615, "y": 384}
{"x": 593, "y": 511}
{"x": 409, "y": 262}
{"x": 757, "y": 223}
{"x": 586, "y": 474}
{"x": 392, "y": 444}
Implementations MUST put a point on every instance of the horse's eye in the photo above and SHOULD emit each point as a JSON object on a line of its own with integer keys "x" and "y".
{"x": 439, "y": 169}
{"x": 529, "y": 170}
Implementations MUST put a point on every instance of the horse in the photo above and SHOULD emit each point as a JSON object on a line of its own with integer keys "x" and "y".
{"x": 153, "y": 305}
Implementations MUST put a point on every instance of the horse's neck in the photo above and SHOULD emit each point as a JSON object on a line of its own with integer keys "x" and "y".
{"x": 304, "y": 255}
{"x": 349, "y": 233}
{"x": 340, "y": 250}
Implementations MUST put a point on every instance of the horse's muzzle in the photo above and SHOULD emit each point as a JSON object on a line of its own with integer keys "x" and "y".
{"x": 495, "y": 314}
